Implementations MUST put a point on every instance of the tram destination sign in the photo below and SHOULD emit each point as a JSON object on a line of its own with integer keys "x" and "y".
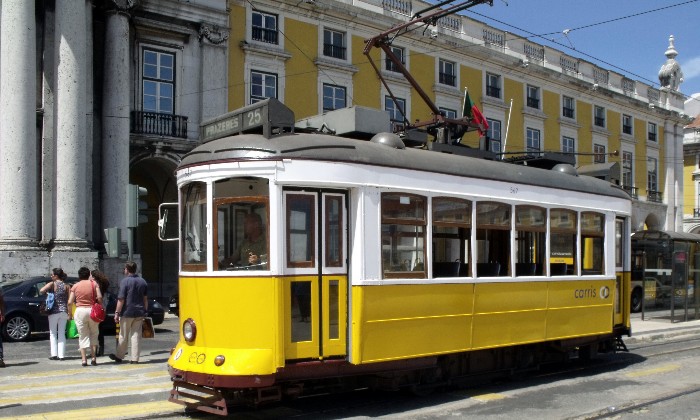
{"x": 269, "y": 117}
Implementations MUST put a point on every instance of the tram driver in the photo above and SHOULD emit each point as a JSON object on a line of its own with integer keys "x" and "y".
{"x": 253, "y": 250}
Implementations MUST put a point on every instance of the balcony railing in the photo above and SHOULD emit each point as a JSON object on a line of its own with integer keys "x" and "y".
{"x": 567, "y": 112}
{"x": 264, "y": 35}
{"x": 696, "y": 213}
{"x": 632, "y": 191}
{"x": 493, "y": 91}
{"x": 335, "y": 51}
{"x": 447, "y": 79}
{"x": 533, "y": 102}
{"x": 599, "y": 121}
{"x": 156, "y": 123}
{"x": 655, "y": 196}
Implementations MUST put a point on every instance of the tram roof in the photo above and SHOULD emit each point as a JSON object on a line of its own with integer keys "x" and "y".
{"x": 322, "y": 147}
{"x": 666, "y": 235}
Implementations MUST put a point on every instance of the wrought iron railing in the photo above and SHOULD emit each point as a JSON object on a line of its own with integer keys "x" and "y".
{"x": 264, "y": 35}
{"x": 631, "y": 191}
{"x": 448, "y": 79}
{"x": 696, "y": 213}
{"x": 159, "y": 124}
{"x": 655, "y": 196}
{"x": 335, "y": 51}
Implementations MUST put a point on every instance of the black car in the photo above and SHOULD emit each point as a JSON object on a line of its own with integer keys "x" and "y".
{"x": 174, "y": 304}
{"x": 22, "y": 317}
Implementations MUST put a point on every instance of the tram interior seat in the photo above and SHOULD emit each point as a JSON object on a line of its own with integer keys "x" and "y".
{"x": 558, "y": 269}
{"x": 488, "y": 269}
{"x": 446, "y": 269}
{"x": 526, "y": 269}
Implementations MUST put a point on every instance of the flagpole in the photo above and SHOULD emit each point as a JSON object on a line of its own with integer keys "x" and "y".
{"x": 505, "y": 138}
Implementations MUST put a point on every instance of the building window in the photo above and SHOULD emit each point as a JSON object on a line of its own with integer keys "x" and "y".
{"x": 533, "y": 97}
{"x": 493, "y": 85}
{"x": 569, "y": 107}
{"x": 158, "y": 82}
{"x": 262, "y": 86}
{"x": 399, "y": 53}
{"x": 333, "y": 97}
{"x": 627, "y": 169}
{"x": 494, "y": 135}
{"x": 652, "y": 181}
{"x": 627, "y": 124}
{"x": 568, "y": 145}
{"x": 598, "y": 153}
{"x": 447, "y": 73}
{"x": 599, "y": 116}
{"x": 533, "y": 140}
{"x": 264, "y": 27}
{"x": 334, "y": 44}
{"x": 396, "y": 109}
{"x": 651, "y": 135}
{"x": 448, "y": 113}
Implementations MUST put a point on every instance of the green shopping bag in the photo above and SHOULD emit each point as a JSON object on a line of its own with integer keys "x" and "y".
{"x": 71, "y": 329}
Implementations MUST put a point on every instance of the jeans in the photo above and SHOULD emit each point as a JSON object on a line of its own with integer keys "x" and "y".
{"x": 57, "y": 334}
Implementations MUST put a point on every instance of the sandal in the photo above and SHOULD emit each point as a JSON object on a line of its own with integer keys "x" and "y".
{"x": 84, "y": 363}
{"x": 93, "y": 362}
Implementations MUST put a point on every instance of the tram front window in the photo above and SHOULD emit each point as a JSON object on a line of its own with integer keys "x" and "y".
{"x": 241, "y": 228}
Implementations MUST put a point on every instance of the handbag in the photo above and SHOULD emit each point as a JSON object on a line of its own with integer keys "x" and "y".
{"x": 46, "y": 306}
{"x": 97, "y": 313}
{"x": 71, "y": 329}
{"x": 147, "y": 330}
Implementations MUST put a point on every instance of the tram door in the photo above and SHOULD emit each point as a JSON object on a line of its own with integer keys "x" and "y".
{"x": 315, "y": 268}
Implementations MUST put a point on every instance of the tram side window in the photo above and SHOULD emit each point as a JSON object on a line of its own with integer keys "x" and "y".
{"x": 563, "y": 226}
{"x": 403, "y": 235}
{"x": 592, "y": 243}
{"x": 530, "y": 231}
{"x": 241, "y": 224}
{"x": 452, "y": 219}
{"x": 194, "y": 222}
{"x": 301, "y": 220}
{"x": 493, "y": 226}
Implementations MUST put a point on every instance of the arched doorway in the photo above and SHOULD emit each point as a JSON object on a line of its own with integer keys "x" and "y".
{"x": 159, "y": 260}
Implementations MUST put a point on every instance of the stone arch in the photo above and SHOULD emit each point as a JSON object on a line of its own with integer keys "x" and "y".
{"x": 652, "y": 222}
{"x": 159, "y": 260}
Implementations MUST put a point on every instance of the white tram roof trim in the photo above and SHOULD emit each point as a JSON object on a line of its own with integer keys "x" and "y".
{"x": 321, "y": 147}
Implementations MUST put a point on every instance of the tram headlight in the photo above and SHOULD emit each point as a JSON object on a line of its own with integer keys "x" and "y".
{"x": 189, "y": 330}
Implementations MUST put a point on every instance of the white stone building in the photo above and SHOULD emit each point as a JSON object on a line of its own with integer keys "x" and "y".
{"x": 94, "y": 95}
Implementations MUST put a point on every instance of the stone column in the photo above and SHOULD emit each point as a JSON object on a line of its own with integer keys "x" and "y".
{"x": 115, "y": 119}
{"x": 71, "y": 144}
{"x": 18, "y": 135}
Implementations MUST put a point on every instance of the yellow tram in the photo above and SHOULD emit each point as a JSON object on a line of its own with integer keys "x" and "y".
{"x": 311, "y": 260}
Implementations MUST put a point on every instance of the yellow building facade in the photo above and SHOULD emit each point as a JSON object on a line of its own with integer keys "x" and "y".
{"x": 310, "y": 55}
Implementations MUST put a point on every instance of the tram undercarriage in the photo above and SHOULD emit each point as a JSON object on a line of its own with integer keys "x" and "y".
{"x": 420, "y": 376}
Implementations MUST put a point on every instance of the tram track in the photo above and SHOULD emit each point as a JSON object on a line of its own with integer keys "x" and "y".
{"x": 616, "y": 411}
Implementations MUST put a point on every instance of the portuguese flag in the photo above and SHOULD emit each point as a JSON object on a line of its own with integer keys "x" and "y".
{"x": 472, "y": 112}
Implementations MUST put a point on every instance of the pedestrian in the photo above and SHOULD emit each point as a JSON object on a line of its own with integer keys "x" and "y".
{"x": 83, "y": 294}
{"x": 132, "y": 307}
{"x": 103, "y": 283}
{"x": 2, "y": 319}
{"x": 59, "y": 312}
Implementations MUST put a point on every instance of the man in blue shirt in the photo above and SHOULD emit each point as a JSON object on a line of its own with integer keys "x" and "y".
{"x": 132, "y": 307}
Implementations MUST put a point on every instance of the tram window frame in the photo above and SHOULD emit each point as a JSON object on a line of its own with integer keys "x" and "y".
{"x": 395, "y": 226}
{"x": 592, "y": 232}
{"x": 559, "y": 232}
{"x": 333, "y": 235}
{"x": 449, "y": 229}
{"x": 235, "y": 209}
{"x": 295, "y": 232}
{"x": 491, "y": 236}
{"x": 530, "y": 240}
{"x": 194, "y": 226}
